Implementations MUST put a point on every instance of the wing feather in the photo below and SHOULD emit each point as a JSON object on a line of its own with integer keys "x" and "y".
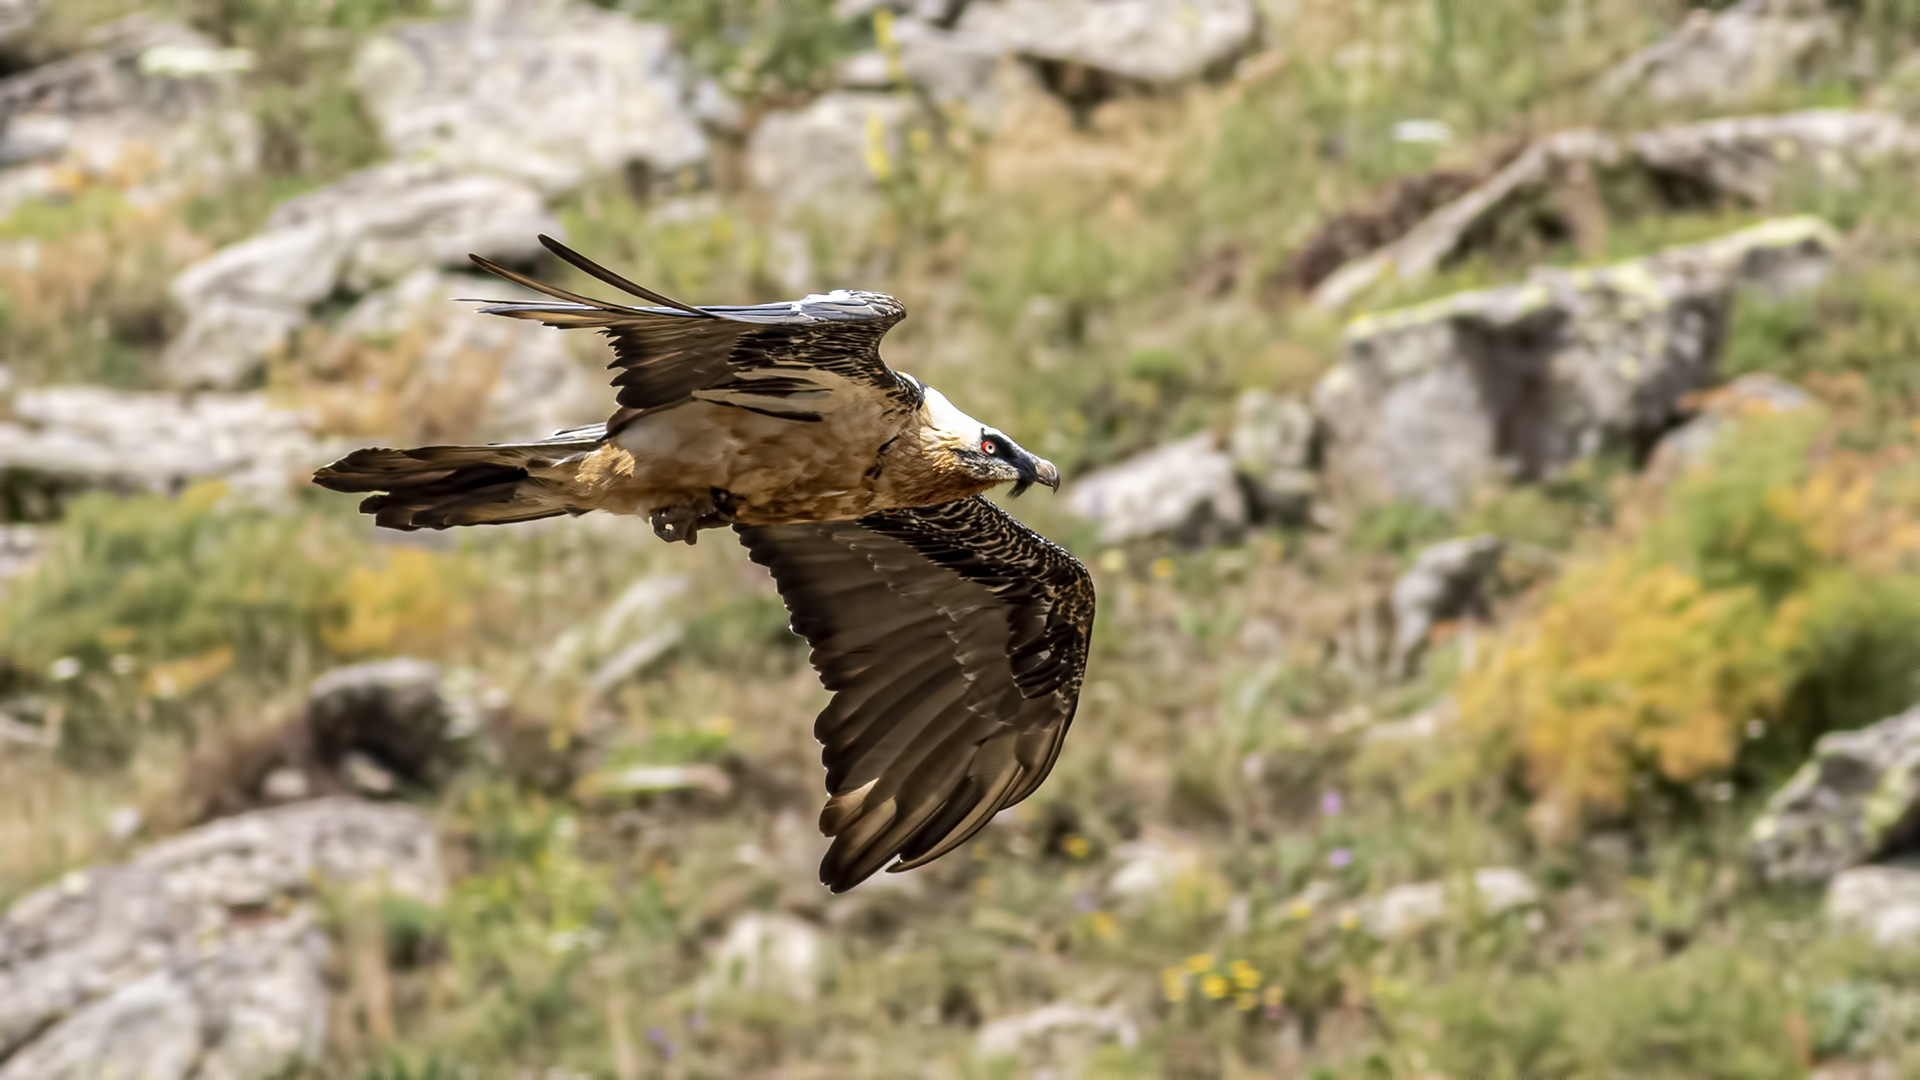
{"x": 955, "y": 640}
{"x": 793, "y": 360}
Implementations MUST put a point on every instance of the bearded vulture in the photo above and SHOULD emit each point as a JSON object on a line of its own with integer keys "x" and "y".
{"x": 953, "y": 637}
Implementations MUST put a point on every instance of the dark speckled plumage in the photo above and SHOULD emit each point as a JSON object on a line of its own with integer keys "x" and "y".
{"x": 954, "y": 639}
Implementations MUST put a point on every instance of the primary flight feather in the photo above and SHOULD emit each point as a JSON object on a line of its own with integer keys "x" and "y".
{"x": 953, "y": 637}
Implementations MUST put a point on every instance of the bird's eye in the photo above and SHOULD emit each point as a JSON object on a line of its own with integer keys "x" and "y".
{"x": 987, "y": 447}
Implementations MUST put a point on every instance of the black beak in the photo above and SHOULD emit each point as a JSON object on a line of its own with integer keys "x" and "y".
{"x": 1036, "y": 471}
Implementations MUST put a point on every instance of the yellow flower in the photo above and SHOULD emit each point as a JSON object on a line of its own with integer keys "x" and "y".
{"x": 1173, "y": 982}
{"x": 1273, "y": 996}
{"x": 1214, "y": 987}
{"x": 1200, "y": 962}
{"x": 1245, "y": 1001}
{"x": 1103, "y": 926}
{"x": 1113, "y": 560}
{"x": 1076, "y": 846}
{"x": 1245, "y": 975}
{"x": 1300, "y": 909}
{"x": 1349, "y": 918}
{"x": 1163, "y": 568}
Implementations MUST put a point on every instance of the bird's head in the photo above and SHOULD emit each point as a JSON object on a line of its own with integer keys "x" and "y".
{"x": 982, "y": 454}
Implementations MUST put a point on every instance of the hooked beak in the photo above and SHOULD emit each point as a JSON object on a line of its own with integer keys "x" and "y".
{"x": 1037, "y": 471}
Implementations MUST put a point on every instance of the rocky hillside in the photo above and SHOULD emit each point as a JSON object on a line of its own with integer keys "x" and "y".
{"x": 1491, "y": 427}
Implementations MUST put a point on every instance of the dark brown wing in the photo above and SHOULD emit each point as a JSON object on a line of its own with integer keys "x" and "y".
{"x": 794, "y": 360}
{"x": 954, "y": 639}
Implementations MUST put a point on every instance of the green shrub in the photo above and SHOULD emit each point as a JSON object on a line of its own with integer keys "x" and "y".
{"x": 146, "y": 610}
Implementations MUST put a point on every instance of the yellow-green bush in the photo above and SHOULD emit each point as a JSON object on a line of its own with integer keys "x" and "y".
{"x": 146, "y": 609}
{"x": 1769, "y": 596}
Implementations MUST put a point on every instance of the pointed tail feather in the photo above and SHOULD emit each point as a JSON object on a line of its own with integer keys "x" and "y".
{"x": 435, "y": 487}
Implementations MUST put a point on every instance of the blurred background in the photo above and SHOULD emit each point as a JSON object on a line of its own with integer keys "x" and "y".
{"x": 1491, "y": 427}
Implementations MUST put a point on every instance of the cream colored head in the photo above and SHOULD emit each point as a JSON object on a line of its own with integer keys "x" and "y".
{"x": 954, "y": 440}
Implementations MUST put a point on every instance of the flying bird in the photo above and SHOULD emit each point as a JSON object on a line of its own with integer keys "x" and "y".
{"x": 953, "y": 637}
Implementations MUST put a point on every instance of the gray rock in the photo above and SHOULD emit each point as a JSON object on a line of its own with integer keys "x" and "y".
{"x": 19, "y": 545}
{"x": 1147, "y": 41}
{"x": 956, "y": 71}
{"x": 1422, "y": 249}
{"x": 1881, "y": 902}
{"x": 1854, "y": 801}
{"x": 1184, "y": 491}
{"x": 1062, "y": 1030}
{"x": 1727, "y": 57}
{"x": 548, "y": 92}
{"x": 1446, "y": 581}
{"x": 1408, "y": 909}
{"x": 831, "y": 155}
{"x": 1740, "y": 158}
{"x": 1692, "y": 442}
{"x": 16, "y": 16}
{"x": 1272, "y": 444}
{"x": 393, "y": 711}
{"x": 1516, "y": 383}
{"x": 68, "y": 439}
{"x": 768, "y": 953}
{"x": 153, "y": 110}
{"x": 1746, "y": 156}
{"x": 201, "y": 957}
{"x": 367, "y": 230}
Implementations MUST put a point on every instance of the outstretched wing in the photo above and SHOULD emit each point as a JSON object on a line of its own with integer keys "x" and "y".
{"x": 793, "y": 360}
{"x": 954, "y": 639}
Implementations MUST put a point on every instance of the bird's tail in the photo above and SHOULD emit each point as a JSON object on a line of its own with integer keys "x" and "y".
{"x": 434, "y": 487}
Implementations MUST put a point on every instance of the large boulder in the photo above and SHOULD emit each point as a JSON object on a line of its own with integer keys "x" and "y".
{"x": 832, "y": 154}
{"x": 152, "y": 109}
{"x": 1853, "y": 802}
{"x": 1738, "y": 158}
{"x": 1514, "y": 384}
{"x": 1185, "y": 491}
{"x": 392, "y": 710}
{"x": 63, "y": 440}
{"x": 957, "y": 72}
{"x": 550, "y": 93}
{"x": 203, "y": 956}
{"x": 1447, "y": 581}
{"x": 1729, "y": 56}
{"x": 1146, "y": 41}
{"x": 367, "y": 230}
{"x": 1745, "y": 157}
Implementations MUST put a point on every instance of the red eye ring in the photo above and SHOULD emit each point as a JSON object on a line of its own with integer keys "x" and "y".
{"x": 986, "y": 446}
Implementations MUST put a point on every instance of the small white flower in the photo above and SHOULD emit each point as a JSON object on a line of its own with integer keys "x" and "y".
{"x": 64, "y": 668}
{"x": 123, "y": 664}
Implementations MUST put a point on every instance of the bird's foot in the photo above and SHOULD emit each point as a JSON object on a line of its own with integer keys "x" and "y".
{"x": 682, "y": 522}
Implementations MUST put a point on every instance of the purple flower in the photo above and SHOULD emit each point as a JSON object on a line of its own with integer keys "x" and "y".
{"x": 1339, "y": 857}
{"x": 658, "y": 1037}
{"x": 1331, "y": 804}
